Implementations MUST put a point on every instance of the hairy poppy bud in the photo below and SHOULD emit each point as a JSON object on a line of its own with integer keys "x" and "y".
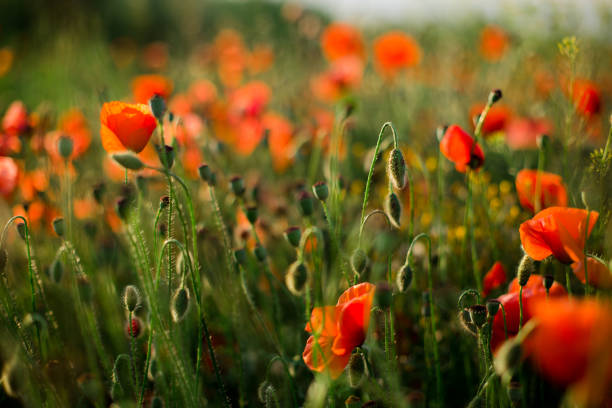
{"x": 157, "y": 402}
{"x": 270, "y": 397}
{"x": 65, "y": 147}
{"x": 296, "y": 278}
{"x": 492, "y": 307}
{"x": 121, "y": 375}
{"x": 526, "y": 267}
{"x": 98, "y": 192}
{"x": 426, "y": 307}
{"x": 21, "y": 229}
{"x": 3, "y": 259}
{"x": 158, "y": 107}
{"x": 116, "y": 391}
{"x": 56, "y": 270}
{"x": 306, "y": 204}
{"x": 180, "y": 304}
{"x": 241, "y": 256}
{"x": 237, "y": 186}
{"x": 404, "y": 278}
{"x": 260, "y": 253}
{"x": 320, "y": 190}
{"x": 357, "y": 369}
{"x": 495, "y": 96}
{"x": 478, "y": 315}
{"x": 133, "y": 329}
{"x": 58, "y": 226}
{"x": 396, "y": 169}
{"x": 128, "y": 160}
{"x": 131, "y": 298}
{"x": 359, "y": 261}
{"x": 393, "y": 208}
{"x": 383, "y": 295}
{"x": 205, "y": 172}
{"x": 548, "y": 281}
{"x": 251, "y": 214}
{"x": 293, "y": 235}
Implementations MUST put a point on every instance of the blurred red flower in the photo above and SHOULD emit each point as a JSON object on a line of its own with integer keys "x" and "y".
{"x": 523, "y": 133}
{"x": 496, "y": 120}
{"x": 493, "y": 43}
{"x": 126, "y": 126}
{"x": 341, "y": 40}
{"x": 9, "y": 174}
{"x": 586, "y": 97}
{"x": 144, "y": 87}
{"x": 15, "y": 121}
{"x": 494, "y": 278}
{"x": 395, "y": 51}
{"x": 552, "y": 190}
{"x": 458, "y": 146}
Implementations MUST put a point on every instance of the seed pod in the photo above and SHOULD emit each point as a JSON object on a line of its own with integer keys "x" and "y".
{"x": 306, "y": 204}
{"x": 128, "y": 160}
{"x": 131, "y": 298}
{"x": 158, "y": 107}
{"x": 526, "y": 267}
{"x": 58, "y": 226}
{"x": 296, "y": 278}
{"x": 320, "y": 190}
{"x": 466, "y": 321}
{"x": 260, "y": 253}
{"x": 65, "y": 147}
{"x": 478, "y": 315}
{"x": 492, "y": 307}
{"x": 383, "y": 295}
{"x": 396, "y": 169}
{"x": 164, "y": 202}
{"x": 393, "y": 208}
{"x": 134, "y": 329}
{"x": 357, "y": 369}
{"x": 251, "y": 214}
{"x": 237, "y": 186}
{"x": 495, "y": 96}
{"x": 359, "y": 261}
{"x": 205, "y": 172}
{"x": 180, "y": 304}
{"x": 293, "y": 235}
{"x": 404, "y": 278}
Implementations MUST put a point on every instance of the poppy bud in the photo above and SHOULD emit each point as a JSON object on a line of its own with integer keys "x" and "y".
{"x": 134, "y": 329}
{"x": 157, "y": 402}
{"x": 478, "y": 315}
{"x": 251, "y": 214}
{"x": 396, "y": 169}
{"x": 131, "y": 298}
{"x": 320, "y": 190}
{"x": 548, "y": 281}
{"x": 293, "y": 235}
{"x": 241, "y": 256}
{"x": 21, "y": 229}
{"x": 98, "y": 192}
{"x": 543, "y": 141}
{"x": 121, "y": 374}
{"x": 306, "y": 204}
{"x": 383, "y": 295}
{"x": 237, "y": 186}
{"x": 440, "y": 131}
{"x": 128, "y": 160}
{"x": 58, "y": 226}
{"x": 260, "y": 253}
{"x": 296, "y": 278}
{"x": 56, "y": 271}
{"x": 404, "y": 278}
{"x": 180, "y": 304}
{"x": 357, "y": 369}
{"x": 270, "y": 397}
{"x": 526, "y": 267}
{"x": 359, "y": 261}
{"x": 495, "y": 96}
{"x": 393, "y": 208}
{"x": 123, "y": 207}
{"x": 116, "y": 391}
{"x": 426, "y": 307}
{"x": 205, "y": 172}
{"x": 158, "y": 107}
{"x": 164, "y": 202}
{"x": 65, "y": 147}
{"x": 515, "y": 394}
{"x": 492, "y": 307}
{"x": 3, "y": 259}
{"x": 508, "y": 358}
{"x": 466, "y": 321}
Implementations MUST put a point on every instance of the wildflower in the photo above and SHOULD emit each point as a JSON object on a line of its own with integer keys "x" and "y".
{"x": 340, "y": 40}
{"x": 496, "y": 120}
{"x": 15, "y": 120}
{"x": 337, "y": 330}
{"x": 599, "y": 274}
{"x": 552, "y": 191}
{"x": 9, "y": 175}
{"x": 145, "y": 87}
{"x": 523, "y": 133}
{"x": 395, "y": 51}
{"x": 133, "y": 329}
{"x": 557, "y": 231}
{"x": 280, "y": 140}
{"x": 493, "y": 43}
{"x": 494, "y": 278}
{"x": 126, "y": 126}
{"x": 343, "y": 75}
{"x": 458, "y": 146}
{"x": 586, "y": 97}
{"x": 131, "y": 298}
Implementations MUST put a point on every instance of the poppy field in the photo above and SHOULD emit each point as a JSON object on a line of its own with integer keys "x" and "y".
{"x": 245, "y": 204}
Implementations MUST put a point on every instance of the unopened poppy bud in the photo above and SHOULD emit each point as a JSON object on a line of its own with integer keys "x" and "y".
{"x": 260, "y": 253}
{"x": 241, "y": 256}
{"x": 293, "y": 235}
{"x": 359, "y": 261}
{"x": 116, "y": 391}
{"x": 21, "y": 229}
{"x": 495, "y": 96}
{"x": 478, "y": 315}
{"x": 123, "y": 207}
{"x": 320, "y": 190}
{"x": 396, "y": 169}
{"x": 466, "y": 321}
{"x": 306, "y": 204}
{"x": 383, "y": 295}
{"x": 180, "y": 304}
{"x": 153, "y": 369}
{"x": 393, "y": 208}
{"x": 85, "y": 289}
{"x": 357, "y": 369}
{"x": 440, "y": 131}
{"x": 508, "y": 358}
{"x": 65, "y": 147}
{"x": 404, "y": 278}
{"x": 251, "y": 214}
{"x": 164, "y": 202}
{"x": 98, "y": 192}
{"x": 526, "y": 267}
{"x": 213, "y": 180}
{"x": 58, "y": 226}
{"x": 56, "y": 271}
{"x": 492, "y": 307}
{"x": 157, "y": 402}
{"x": 128, "y": 160}
{"x": 515, "y": 393}
{"x": 548, "y": 281}
{"x": 158, "y": 107}
{"x": 122, "y": 372}
{"x": 237, "y": 186}
{"x": 296, "y": 278}
{"x": 131, "y": 298}
{"x": 3, "y": 259}
{"x": 134, "y": 329}
{"x": 426, "y": 306}
{"x": 543, "y": 141}
{"x": 205, "y": 172}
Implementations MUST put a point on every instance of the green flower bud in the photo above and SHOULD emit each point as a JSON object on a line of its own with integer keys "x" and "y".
{"x": 131, "y": 298}
{"x": 296, "y": 278}
{"x": 180, "y": 304}
{"x": 393, "y": 208}
{"x": 495, "y": 96}
{"x": 359, "y": 261}
{"x": 251, "y": 214}
{"x": 478, "y": 315}
{"x": 293, "y": 235}
{"x": 321, "y": 191}
{"x": 526, "y": 267}
{"x": 58, "y": 226}
{"x": 396, "y": 169}
{"x": 158, "y": 107}
{"x": 357, "y": 369}
{"x": 237, "y": 186}
{"x": 492, "y": 307}
{"x": 205, "y": 173}
{"x": 21, "y": 229}
{"x": 65, "y": 147}
{"x": 241, "y": 256}
{"x": 404, "y": 278}
{"x": 128, "y": 160}
{"x": 306, "y": 204}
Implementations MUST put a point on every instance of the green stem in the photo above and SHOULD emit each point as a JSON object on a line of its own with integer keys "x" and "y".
{"x": 520, "y": 307}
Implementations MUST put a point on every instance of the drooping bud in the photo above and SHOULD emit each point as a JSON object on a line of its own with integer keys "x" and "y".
{"x": 116, "y": 391}
{"x": 293, "y": 235}
{"x": 237, "y": 186}
{"x": 65, "y": 147}
{"x": 296, "y": 278}
{"x": 321, "y": 191}
{"x": 396, "y": 169}
{"x": 478, "y": 315}
{"x": 260, "y": 253}
{"x": 261, "y": 391}
{"x": 252, "y": 214}
{"x": 270, "y": 397}
{"x": 121, "y": 376}
{"x": 134, "y": 329}
{"x": 359, "y": 261}
{"x": 393, "y": 208}
{"x": 21, "y": 229}
{"x": 158, "y": 107}
{"x": 404, "y": 278}
{"x": 58, "y": 226}
{"x": 56, "y": 270}
{"x": 180, "y": 304}
{"x": 306, "y": 204}
{"x": 241, "y": 256}
{"x": 357, "y": 369}
{"x": 492, "y": 307}
{"x": 131, "y": 298}
{"x": 383, "y": 295}
{"x": 466, "y": 321}
{"x": 495, "y": 96}
{"x": 128, "y": 160}
{"x": 526, "y": 267}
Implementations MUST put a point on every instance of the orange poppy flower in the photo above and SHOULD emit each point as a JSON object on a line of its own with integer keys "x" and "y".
{"x": 202, "y": 92}
{"x": 250, "y": 99}
{"x": 533, "y": 291}
{"x": 496, "y": 120}
{"x": 9, "y": 144}
{"x": 73, "y": 125}
{"x": 557, "y": 231}
{"x": 231, "y": 57}
{"x": 458, "y": 146}
{"x": 260, "y": 59}
{"x": 395, "y": 51}
{"x": 570, "y": 346}
{"x": 126, "y": 126}
{"x": 552, "y": 190}
{"x": 280, "y": 138}
{"x": 523, "y": 133}
{"x": 15, "y": 121}
{"x": 341, "y": 40}
{"x": 9, "y": 174}
{"x": 493, "y": 43}
{"x": 586, "y": 97}
{"x": 144, "y": 87}
{"x": 343, "y": 75}
{"x": 38, "y": 213}
{"x": 337, "y": 330}
{"x": 599, "y": 274}
{"x": 494, "y": 278}
{"x": 32, "y": 183}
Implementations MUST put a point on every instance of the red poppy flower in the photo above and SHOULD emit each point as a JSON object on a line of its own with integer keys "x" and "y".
{"x": 250, "y": 99}
{"x": 202, "y": 92}
{"x": 340, "y": 40}
{"x": 343, "y": 75}
{"x": 557, "y": 231}
{"x": 73, "y": 125}
{"x": 494, "y": 278}
{"x": 523, "y": 133}
{"x": 552, "y": 190}
{"x": 144, "y": 87}
{"x": 280, "y": 140}
{"x": 395, "y": 51}
{"x": 493, "y": 43}
{"x": 570, "y": 346}
{"x": 599, "y": 274}
{"x": 533, "y": 291}
{"x": 496, "y": 120}
{"x": 9, "y": 174}
{"x": 260, "y": 59}
{"x": 9, "y": 144}
{"x": 15, "y": 121}
{"x": 126, "y": 126}
{"x": 338, "y": 330}
{"x": 458, "y": 147}
{"x": 586, "y": 97}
